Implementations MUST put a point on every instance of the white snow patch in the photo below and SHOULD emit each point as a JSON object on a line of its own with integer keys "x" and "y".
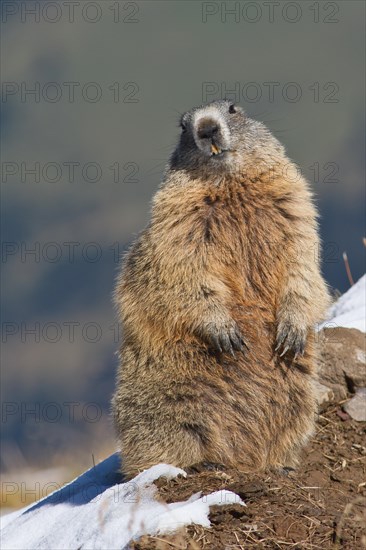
{"x": 96, "y": 511}
{"x": 349, "y": 311}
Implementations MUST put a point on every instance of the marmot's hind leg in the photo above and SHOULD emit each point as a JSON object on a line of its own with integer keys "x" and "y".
{"x": 171, "y": 445}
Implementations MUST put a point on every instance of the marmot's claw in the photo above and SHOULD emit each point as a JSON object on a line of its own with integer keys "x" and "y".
{"x": 291, "y": 339}
{"x": 215, "y": 341}
{"x": 226, "y": 343}
{"x": 299, "y": 348}
{"x": 235, "y": 340}
{"x": 226, "y": 340}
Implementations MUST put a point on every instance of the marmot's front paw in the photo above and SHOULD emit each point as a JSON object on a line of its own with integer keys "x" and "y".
{"x": 290, "y": 338}
{"x": 225, "y": 338}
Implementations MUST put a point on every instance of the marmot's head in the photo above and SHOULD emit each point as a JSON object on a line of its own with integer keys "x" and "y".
{"x": 219, "y": 139}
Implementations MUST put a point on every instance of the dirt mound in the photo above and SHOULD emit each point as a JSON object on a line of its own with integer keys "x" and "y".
{"x": 321, "y": 505}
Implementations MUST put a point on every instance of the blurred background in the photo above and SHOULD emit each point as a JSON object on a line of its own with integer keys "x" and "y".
{"x": 91, "y": 97}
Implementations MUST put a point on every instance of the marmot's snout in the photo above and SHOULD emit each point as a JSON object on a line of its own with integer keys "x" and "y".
{"x": 208, "y": 129}
{"x": 211, "y": 134}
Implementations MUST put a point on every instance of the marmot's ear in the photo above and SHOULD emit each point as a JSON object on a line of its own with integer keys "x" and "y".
{"x": 234, "y": 107}
{"x": 183, "y": 123}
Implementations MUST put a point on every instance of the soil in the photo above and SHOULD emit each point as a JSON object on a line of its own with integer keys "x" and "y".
{"x": 320, "y": 506}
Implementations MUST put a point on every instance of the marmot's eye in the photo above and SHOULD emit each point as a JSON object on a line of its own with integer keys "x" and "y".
{"x": 232, "y": 109}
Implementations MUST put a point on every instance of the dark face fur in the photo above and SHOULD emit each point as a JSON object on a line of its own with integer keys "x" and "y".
{"x": 219, "y": 139}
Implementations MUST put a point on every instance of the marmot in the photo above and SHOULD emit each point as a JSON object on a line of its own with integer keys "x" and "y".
{"x": 218, "y": 298}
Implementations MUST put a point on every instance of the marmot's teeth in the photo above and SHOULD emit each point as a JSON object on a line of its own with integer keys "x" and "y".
{"x": 215, "y": 150}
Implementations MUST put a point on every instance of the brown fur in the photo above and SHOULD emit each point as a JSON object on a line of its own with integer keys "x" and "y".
{"x": 238, "y": 251}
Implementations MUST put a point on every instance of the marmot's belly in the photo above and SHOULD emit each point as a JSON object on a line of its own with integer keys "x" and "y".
{"x": 185, "y": 379}
{"x": 237, "y": 411}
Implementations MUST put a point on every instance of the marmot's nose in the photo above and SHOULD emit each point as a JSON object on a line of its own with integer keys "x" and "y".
{"x": 207, "y": 129}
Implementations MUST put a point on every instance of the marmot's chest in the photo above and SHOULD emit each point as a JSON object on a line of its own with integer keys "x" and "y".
{"x": 237, "y": 220}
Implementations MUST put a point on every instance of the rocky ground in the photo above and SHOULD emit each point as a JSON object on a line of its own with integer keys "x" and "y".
{"x": 322, "y": 504}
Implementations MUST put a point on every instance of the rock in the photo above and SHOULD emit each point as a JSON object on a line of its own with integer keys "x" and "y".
{"x": 342, "y": 360}
{"x": 323, "y": 394}
{"x": 356, "y": 407}
{"x": 343, "y": 415}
